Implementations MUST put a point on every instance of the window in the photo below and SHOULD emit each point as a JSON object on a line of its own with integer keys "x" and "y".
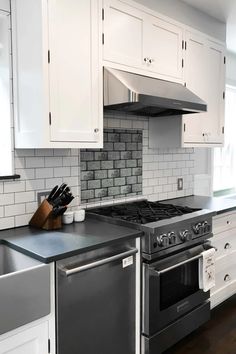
{"x": 6, "y": 154}
{"x": 225, "y": 158}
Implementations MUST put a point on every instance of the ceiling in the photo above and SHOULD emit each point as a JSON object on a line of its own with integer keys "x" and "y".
{"x": 223, "y": 10}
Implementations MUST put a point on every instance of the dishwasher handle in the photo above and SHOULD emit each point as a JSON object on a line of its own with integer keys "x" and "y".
{"x": 67, "y": 272}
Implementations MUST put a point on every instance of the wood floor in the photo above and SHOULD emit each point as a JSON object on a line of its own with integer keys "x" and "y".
{"x": 218, "y": 336}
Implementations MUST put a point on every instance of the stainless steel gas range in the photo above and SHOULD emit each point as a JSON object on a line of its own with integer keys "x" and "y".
{"x": 173, "y": 305}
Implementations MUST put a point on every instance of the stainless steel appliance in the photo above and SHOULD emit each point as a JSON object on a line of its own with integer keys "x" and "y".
{"x": 174, "y": 238}
{"x": 142, "y": 95}
{"x": 95, "y": 299}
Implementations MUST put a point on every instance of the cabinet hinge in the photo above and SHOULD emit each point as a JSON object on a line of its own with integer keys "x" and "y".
{"x": 103, "y": 39}
{"x": 223, "y": 130}
{"x": 103, "y": 14}
{"x": 223, "y": 95}
{"x": 224, "y": 60}
{"x": 182, "y": 63}
{"x": 50, "y": 118}
{"x": 49, "y": 57}
{"x": 49, "y": 346}
{"x": 184, "y": 127}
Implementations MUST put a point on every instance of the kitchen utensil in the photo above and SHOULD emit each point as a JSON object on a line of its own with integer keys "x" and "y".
{"x": 51, "y": 195}
{"x": 58, "y": 211}
{"x": 59, "y": 191}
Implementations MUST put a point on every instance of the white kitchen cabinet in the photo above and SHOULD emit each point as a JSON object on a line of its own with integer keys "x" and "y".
{"x": 30, "y": 341}
{"x": 205, "y": 76}
{"x": 57, "y": 73}
{"x": 123, "y": 34}
{"x": 135, "y": 39}
{"x": 163, "y": 43}
{"x": 204, "y": 72}
{"x": 224, "y": 239}
{"x": 5, "y": 5}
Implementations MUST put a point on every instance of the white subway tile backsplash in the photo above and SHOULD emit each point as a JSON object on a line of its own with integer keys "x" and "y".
{"x": 53, "y": 161}
{"x": 70, "y": 161}
{"x": 26, "y": 174}
{"x": 51, "y": 182}
{"x": 25, "y": 197}
{"x": 7, "y": 223}
{"x": 62, "y": 152}
{"x": 15, "y": 209}
{"x": 35, "y": 184}
{"x": 19, "y": 162}
{"x": 44, "y": 168}
{"x": 44, "y": 172}
{"x": 33, "y": 162}
{"x": 7, "y": 199}
{"x": 22, "y": 220}
{"x": 61, "y": 171}
{"x": 31, "y": 207}
{"x": 44, "y": 152}
{"x": 14, "y": 186}
{"x": 24, "y": 152}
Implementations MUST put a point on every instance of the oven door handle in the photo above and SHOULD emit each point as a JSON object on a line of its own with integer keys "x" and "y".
{"x": 177, "y": 265}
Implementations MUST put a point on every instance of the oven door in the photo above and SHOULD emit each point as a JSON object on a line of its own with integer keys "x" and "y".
{"x": 171, "y": 289}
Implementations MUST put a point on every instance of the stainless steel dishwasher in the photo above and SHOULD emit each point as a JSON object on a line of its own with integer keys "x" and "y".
{"x": 95, "y": 298}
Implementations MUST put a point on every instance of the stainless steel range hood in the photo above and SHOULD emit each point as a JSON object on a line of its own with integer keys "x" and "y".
{"x": 146, "y": 96}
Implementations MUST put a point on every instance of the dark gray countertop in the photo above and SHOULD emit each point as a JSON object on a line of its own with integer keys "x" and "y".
{"x": 218, "y": 205}
{"x": 49, "y": 246}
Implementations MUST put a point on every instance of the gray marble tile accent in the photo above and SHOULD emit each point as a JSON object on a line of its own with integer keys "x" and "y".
{"x": 114, "y": 171}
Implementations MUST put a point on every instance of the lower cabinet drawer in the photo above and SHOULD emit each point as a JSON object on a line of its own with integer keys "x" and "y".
{"x": 225, "y": 272}
{"x": 225, "y": 243}
{"x": 225, "y": 222}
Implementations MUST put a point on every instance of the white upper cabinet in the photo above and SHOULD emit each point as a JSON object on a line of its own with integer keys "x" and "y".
{"x": 123, "y": 33}
{"x": 135, "y": 39}
{"x": 5, "y": 5}
{"x": 205, "y": 76}
{"x": 204, "y": 71}
{"x": 163, "y": 43}
{"x": 57, "y": 73}
{"x": 195, "y": 75}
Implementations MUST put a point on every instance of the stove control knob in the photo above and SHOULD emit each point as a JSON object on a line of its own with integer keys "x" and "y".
{"x": 197, "y": 228}
{"x": 163, "y": 240}
{"x": 206, "y": 227}
{"x": 172, "y": 238}
{"x": 185, "y": 235}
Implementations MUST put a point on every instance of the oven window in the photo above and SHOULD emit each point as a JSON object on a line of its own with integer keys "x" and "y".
{"x": 179, "y": 283}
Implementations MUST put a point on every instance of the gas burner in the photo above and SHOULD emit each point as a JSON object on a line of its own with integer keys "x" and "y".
{"x": 143, "y": 212}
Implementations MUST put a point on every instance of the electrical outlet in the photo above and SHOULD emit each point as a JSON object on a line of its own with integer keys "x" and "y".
{"x": 41, "y": 196}
{"x": 180, "y": 184}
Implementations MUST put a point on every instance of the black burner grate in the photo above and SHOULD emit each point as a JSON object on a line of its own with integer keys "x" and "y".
{"x": 143, "y": 212}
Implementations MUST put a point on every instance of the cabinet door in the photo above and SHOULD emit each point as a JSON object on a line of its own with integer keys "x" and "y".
{"x": 197, "y": 82}
{"x": 213, "y": 129}
{"x": 205, "y": 73}
{"x": 30, "y": 341}
{"x": 74, "y": 70}
{"x": 163, "y": 47}
{"x": 123, "y": 34}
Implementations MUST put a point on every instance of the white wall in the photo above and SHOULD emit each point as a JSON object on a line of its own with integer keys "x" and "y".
{"x": 231, "y": 69}
{"x": 5, "y": 5}
{"x": 186, "y": 14}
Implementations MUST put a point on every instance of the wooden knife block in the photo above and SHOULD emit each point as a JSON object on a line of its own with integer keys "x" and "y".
{"x": 44, "y": 219}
